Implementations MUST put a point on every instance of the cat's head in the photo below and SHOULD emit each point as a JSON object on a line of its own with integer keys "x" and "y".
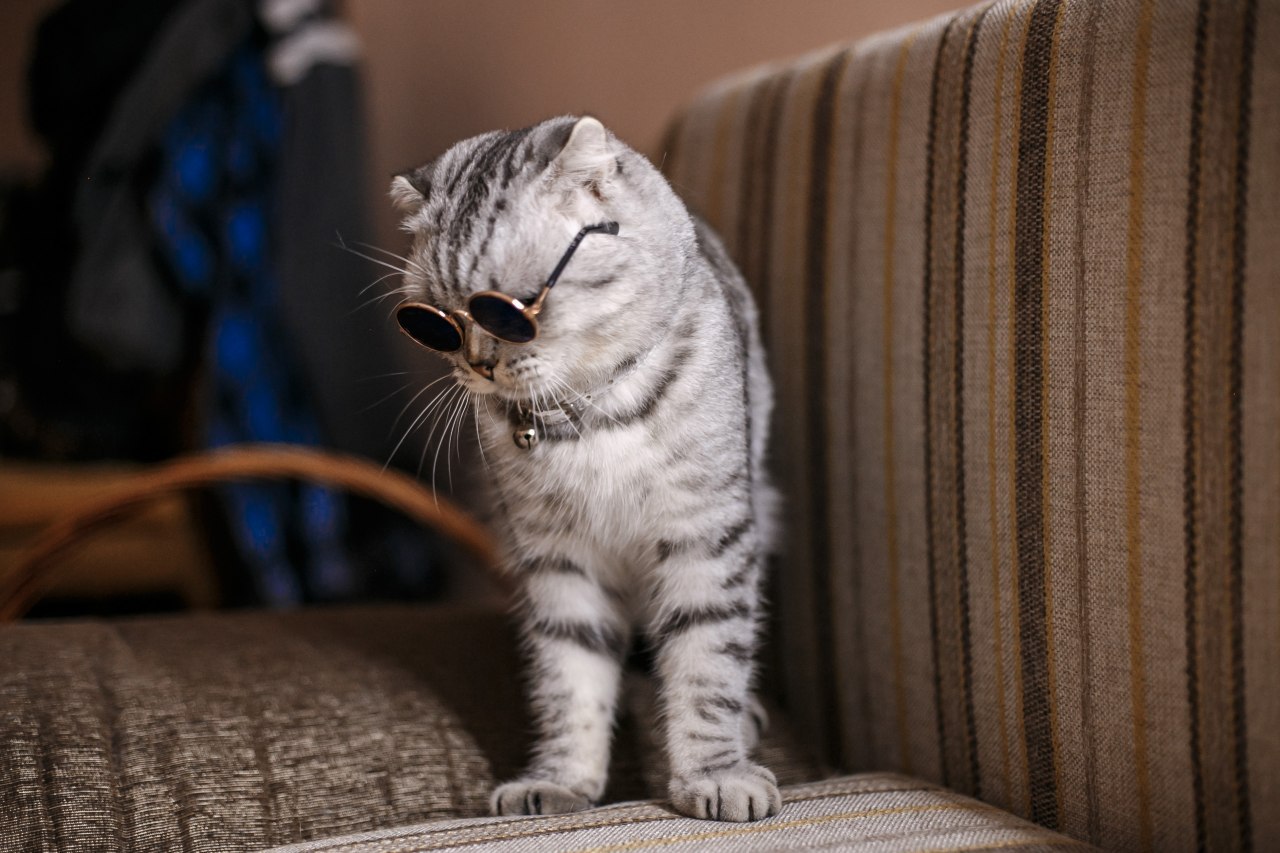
{"x": 498, "y": 211}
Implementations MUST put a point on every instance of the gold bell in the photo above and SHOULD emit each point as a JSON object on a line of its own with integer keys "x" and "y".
{"x": 525, "y": 438}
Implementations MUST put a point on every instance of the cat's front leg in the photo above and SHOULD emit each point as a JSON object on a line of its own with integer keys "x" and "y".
{"x": 705, "y": 631}
{"x": 576, "y": 639}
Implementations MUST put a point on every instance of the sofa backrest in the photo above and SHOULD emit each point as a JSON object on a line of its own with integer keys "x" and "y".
{"x": 1019, "y": 273}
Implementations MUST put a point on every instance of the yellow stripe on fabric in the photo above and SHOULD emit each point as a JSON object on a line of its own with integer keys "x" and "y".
{"x": 1041, "y": 840}
{"x": 1013, "y": 417}
{"x": 890, "y": 482}
{"x": 991, "y": 405}
{"x": 1046, "y": 527}
{"x": 1133, "y": 417}
{"x": 818, "y": 820}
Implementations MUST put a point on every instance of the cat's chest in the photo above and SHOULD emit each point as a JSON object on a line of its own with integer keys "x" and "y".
{"x": 603, "y": 466}
{"x": 599, "y": 486}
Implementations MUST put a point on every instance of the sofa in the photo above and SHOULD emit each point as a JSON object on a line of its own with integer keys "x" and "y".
{"x": 1019, "y": 276}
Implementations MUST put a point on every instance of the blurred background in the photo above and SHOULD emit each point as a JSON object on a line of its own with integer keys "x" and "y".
{"x": 177, "y": 181}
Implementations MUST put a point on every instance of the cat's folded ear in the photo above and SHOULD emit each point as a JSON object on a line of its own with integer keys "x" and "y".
{"x": 410, "y": 189}
{"x": 587, "y": 154}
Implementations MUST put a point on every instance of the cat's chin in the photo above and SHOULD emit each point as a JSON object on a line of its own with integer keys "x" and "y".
{"x": 513, "y": 392}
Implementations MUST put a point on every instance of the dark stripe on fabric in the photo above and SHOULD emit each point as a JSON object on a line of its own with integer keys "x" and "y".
{"x": 1236, "y": 397}
{"x": 757, "y": 255}
{"x": 962, "y": 555}
{"x": 1213, "y": 367}
{"x": 744, "y": 246}
{"x": 853, "y": 648}
{"x": 762, "y": 277}
{"x": 1029, "y": 411}
{"x": 943, "y": 384}
{"x": 599, "y": 639}
{"x": 817, "y": 398}
{"x": 683, "y": 620}
{"x": 1079, "y": 406}
{"x": 1189, "y": 418}
{"x": 935, "y": 639}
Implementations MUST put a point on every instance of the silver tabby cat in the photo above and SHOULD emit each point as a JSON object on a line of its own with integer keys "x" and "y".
{"x": 642, "y": 511}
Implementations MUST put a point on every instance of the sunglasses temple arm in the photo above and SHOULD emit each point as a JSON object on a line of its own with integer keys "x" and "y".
{"x": 608, "y": 227}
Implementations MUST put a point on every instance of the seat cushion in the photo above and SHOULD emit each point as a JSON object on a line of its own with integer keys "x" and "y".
{"x": 867, "y": 812}
{"x": 238, "y": 731}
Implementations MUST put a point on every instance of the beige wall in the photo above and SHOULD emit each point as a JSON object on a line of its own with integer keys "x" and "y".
{"x": 440, "y": 70}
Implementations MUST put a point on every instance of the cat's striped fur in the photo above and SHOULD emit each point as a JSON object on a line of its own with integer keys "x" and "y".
{"x": 644, "y": 513}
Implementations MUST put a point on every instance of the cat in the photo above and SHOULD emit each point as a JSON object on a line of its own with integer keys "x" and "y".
{"x": 626, "y": 443}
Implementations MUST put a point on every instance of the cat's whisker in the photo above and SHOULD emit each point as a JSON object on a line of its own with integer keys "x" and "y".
{"x": 475, "y": 411}
{"x": 342, "y": 245}
{"x": 457, "y": 436}
{"x": 421, "y": 418}
{"x": 455, "y": 427}
{"x": 399, "y": 390}
{"x": 399, "y": 443}
{"x": 586, "y": 401}
{"x": 377, "y": 281}
{"x": 424, "y": 390}
{"x": 558, "y": 386}
{"x": 444, "y": 419}
{"x": 393, "y": 373}
{"x": 399, "y": 291}
{"x": 449, "y": 398}
{"x": 444, "y": 405}
{"x": 391, "y": 254}
{"x": 540, "y": 404}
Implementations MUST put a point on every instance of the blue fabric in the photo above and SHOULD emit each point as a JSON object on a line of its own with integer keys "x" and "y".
{"x": 210, "y": 211}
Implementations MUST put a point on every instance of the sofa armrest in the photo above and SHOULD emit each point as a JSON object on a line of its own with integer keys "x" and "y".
{"x": 1017, "y": 275}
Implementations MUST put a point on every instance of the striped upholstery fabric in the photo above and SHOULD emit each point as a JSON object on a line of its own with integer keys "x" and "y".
{"x": 870, "y": 813}
{"x": 1019, "y": 271}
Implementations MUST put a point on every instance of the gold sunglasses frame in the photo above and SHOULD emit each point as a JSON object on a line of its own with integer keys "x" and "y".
{"x": 529, "y": 312}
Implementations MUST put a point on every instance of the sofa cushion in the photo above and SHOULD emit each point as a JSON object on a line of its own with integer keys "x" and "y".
{"x": 237, "y": 731}
{"x": 868, "y": 812}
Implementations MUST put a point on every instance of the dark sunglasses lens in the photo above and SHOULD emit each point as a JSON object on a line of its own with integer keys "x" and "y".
{"x": 429, "y": 328}
{"x": 501, "y": 319}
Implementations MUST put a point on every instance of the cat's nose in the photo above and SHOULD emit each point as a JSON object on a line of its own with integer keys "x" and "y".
{"x": 484, "y": 368}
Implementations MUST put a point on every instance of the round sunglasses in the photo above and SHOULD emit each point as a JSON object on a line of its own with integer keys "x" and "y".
{"x": 499, "y": 314}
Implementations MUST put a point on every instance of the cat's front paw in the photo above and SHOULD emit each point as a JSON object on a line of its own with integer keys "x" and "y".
{"x": 744, "y": 792}
{"x": 536, "y": 797}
